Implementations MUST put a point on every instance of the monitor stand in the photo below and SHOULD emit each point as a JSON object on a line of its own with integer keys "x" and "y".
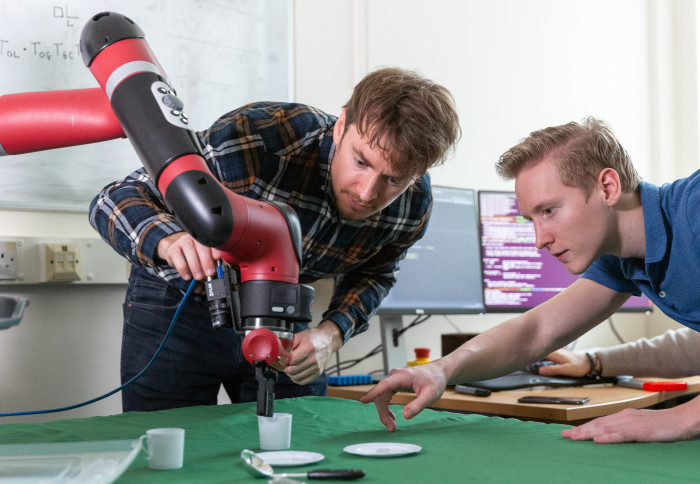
{"x": 393, "y": 349}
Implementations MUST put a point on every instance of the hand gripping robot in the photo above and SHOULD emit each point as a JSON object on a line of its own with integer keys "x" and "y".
{"x": 258, "y": 292}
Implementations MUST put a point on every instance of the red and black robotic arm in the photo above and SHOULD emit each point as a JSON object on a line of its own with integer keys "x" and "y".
{"x": 261, "y": 239}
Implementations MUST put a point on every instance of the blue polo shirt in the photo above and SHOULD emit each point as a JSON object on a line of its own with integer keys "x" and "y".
{"x": 669, "y": 275}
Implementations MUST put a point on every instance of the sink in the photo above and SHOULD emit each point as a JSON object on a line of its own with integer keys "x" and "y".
{"x": 11, "y": 310}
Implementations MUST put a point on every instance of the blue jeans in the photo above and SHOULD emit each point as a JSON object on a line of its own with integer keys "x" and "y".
{"x": 196, "y": 359}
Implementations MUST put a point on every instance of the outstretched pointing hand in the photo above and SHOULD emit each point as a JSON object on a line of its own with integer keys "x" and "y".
{"x": 426, "y": 381}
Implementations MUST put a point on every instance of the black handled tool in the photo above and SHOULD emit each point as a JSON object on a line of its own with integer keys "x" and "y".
{"x": 341, "y": 474}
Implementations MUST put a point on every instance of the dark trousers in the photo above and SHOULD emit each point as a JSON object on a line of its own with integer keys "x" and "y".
{"x": 196, "y": 359}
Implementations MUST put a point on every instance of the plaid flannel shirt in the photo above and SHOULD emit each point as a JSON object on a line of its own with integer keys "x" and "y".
{"x": 280, "y": 152}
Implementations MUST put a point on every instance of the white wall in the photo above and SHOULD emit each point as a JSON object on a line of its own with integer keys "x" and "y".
{"x": 513, "y": 66}
{"x": 66, "y": 348}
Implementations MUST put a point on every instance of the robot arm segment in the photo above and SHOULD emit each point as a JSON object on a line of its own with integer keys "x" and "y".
{"x": 63, "y": 118}
{"x": 251, "y": 232}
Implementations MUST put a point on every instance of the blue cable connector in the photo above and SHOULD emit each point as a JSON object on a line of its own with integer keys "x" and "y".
{"x": 344, "y": 380}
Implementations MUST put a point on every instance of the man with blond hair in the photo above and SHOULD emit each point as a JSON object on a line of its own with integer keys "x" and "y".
{"x": 624, "y": 236}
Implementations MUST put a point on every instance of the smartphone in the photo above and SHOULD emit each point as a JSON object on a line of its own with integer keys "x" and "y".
{"x": 562, "y": 400}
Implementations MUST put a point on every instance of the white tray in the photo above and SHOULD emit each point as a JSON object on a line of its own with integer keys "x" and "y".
{"x": 66, "y": 462}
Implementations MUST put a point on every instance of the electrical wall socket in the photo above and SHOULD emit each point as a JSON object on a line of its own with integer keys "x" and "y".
{"x": 8, "y": 260}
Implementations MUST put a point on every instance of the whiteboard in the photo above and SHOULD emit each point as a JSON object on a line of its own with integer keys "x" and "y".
{"x": 217, "y": 54}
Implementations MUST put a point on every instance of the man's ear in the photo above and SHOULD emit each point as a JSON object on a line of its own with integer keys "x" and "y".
{"x": 609, "y": 182}
{"x": 339, "y": 128}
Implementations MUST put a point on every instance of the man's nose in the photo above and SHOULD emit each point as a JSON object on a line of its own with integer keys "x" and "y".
{"x": 542, "y": 237}
{"x": 369, "y": 187}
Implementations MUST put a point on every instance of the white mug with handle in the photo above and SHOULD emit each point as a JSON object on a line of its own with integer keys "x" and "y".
{"x": 165, "y": 447}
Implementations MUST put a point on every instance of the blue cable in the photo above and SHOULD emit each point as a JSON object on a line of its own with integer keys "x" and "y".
{"x": 150, "y": 363}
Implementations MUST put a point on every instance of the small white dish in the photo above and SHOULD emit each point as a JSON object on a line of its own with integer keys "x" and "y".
{"x": 382, "y": 449}
{"x": 289, "y": 458}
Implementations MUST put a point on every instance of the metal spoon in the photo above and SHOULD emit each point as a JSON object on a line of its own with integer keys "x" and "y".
{"x": 258, "y": 467}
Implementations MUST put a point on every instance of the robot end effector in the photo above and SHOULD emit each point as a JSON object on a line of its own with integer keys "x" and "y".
{"x": 267, "y": 344}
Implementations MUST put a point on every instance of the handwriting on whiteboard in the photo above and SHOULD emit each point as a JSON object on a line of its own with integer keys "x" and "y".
{"x": 218, "y": 55}
{"x": 42, "y": 49}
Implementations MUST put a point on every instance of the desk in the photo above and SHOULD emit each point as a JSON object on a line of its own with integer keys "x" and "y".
{"x": 456, "y": 447}
{"x": 605, "y": 400}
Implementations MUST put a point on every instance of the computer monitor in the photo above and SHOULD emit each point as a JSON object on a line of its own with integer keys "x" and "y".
{"x": 516, "y": 275}
{"x": 441, "y": 271}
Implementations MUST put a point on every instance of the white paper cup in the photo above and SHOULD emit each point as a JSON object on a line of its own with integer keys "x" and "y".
{"x": 276, "y": 431}
{"x": 165, "y": 448}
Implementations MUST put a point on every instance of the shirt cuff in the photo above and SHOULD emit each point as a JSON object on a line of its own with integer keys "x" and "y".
{"x": 343, "y": 323}
{"x": 149, "y": 241}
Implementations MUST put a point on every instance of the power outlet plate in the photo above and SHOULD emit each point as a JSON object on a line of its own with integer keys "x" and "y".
{"x": 61, "y": 262}
{"x": 8, "y": 260}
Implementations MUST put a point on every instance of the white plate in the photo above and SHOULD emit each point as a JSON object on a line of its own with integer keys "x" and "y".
{"x": 289, "y": 458}
{"x": 382, "y": 449}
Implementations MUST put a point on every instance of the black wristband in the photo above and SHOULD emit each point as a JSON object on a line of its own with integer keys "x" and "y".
{"x": 592, "y": 372}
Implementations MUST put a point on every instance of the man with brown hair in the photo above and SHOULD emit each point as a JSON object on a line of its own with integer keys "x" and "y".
{"x": 360, "y": 187}
{"x": 590, "y": 211}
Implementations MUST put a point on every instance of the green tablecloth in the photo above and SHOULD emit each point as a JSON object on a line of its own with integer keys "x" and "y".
{"x": 456, "y": 447}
